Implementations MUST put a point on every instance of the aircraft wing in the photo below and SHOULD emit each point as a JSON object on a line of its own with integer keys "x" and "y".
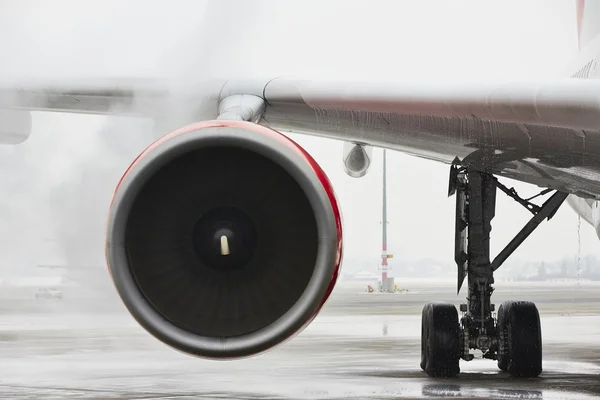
{"x": 545, "y": 133}
{"x": 86, "y": 96}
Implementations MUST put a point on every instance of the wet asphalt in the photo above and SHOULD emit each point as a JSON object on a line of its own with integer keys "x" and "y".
{"x": 362, "y": 346}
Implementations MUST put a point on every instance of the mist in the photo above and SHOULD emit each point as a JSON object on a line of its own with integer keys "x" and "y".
{"x": 61, "y": 180}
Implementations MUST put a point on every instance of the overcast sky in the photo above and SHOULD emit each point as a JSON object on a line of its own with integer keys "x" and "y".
{"x": 193, "y": 41}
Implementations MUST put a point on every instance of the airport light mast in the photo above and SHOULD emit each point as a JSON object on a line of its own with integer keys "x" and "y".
{"x": 384, "y": 254}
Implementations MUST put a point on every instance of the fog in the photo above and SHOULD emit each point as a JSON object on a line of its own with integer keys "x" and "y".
{"x": 59, "y": 183}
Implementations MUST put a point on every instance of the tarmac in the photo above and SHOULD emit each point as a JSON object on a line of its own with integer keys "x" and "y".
{"x": 362, "y": 346}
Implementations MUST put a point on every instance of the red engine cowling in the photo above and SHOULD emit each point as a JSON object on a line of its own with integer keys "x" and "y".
{"x": 224, "y": 239}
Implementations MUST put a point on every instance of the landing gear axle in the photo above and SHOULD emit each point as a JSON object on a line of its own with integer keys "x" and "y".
{"x": 514, "y": 338}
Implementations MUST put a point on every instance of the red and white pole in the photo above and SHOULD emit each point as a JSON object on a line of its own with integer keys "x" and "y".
{"x": 384, "y": 257}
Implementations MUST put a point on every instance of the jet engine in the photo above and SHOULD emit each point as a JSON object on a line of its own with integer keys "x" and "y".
{"x": 224, "y": 239}
{"x": 15, "y": 126}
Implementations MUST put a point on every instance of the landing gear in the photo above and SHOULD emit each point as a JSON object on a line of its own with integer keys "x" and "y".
{"x": 514, "y": 339}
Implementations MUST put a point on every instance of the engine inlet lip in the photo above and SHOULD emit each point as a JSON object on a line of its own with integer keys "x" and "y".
{"x": 282, "y": 152}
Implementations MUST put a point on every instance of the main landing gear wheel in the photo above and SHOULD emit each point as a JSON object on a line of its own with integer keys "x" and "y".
{"x": 502, "y": 336}
{"x": 440, "y": 349}
{"x": 520, "y": 330}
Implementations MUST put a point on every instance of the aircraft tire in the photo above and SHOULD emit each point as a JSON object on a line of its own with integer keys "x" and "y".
{"x": 503, "y": 351}
{"x": 424, "y": 323}
{"x": 440, "y": 340}
{"x": 523, "y": 331}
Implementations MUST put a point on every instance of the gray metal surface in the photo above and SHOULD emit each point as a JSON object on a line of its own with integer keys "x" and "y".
{"x": 545, "y": 133}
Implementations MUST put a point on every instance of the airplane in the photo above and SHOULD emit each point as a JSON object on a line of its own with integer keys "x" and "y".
{"x": 224, "y": 237}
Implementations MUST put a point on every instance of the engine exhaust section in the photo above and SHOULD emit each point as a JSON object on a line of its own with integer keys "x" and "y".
{"x": 224, "y": 239}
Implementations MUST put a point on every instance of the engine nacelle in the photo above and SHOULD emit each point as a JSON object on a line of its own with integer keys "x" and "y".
{"x": 15, "y": 126}
{"x": 357, "y": 159}
{"x": 224, "y": 239}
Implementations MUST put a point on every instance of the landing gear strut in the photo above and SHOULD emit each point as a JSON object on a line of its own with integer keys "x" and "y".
{"x": 514, "y": 338}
